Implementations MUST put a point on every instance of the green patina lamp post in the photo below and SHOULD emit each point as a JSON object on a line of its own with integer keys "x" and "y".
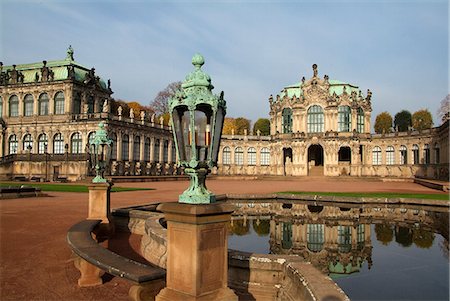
{"x": 197, "y": 117}
{"x": 100, "y": 151}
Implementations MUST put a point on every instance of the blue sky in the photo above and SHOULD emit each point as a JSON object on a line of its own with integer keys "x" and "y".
{"x": 397, "y": 49}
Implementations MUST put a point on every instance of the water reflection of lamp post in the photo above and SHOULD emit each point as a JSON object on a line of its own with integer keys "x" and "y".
{"x": 197, "y": 224}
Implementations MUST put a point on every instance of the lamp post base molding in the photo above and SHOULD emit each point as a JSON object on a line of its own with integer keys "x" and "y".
{"x": 224, "y": 294}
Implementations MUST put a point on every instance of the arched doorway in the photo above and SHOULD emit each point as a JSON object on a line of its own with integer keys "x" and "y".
{"x": 344, "y": 160}
{"x": 287, "y": 161}
{"x": 315, "y": 160}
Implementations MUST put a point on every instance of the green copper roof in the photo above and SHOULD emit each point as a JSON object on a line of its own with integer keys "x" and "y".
{"x": 335, "y": 86}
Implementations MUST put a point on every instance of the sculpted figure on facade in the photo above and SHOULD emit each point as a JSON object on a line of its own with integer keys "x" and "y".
{"x": 131, "y": 113}
{"x": 119, "y": 111}
{"x": 105, "y": 108}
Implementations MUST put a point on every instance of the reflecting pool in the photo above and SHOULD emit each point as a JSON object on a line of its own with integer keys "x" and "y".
{"x": 373, "y": 252}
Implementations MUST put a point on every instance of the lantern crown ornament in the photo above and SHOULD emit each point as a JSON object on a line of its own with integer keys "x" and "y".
{"x": 197, "y": 117}
{"x": 100, "y": 151}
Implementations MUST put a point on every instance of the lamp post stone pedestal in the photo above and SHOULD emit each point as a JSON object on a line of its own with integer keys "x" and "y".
{"x": 197, "y": 261}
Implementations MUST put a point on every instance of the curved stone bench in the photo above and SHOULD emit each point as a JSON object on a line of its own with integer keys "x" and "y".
{"x": 93, "y": 258}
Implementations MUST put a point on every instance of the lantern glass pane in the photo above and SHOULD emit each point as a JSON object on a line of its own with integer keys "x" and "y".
{"x": 217, "y": 134}
{"x": 202, "y": 137}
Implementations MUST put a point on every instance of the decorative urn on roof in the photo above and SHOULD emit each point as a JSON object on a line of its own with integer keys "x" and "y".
{"x": 197, "y": 117}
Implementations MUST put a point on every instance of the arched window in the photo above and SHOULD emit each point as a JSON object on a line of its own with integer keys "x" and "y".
{"x": 58, "y": 144}
{"x": 265, "y": 156}
{"x": 125, "y": 147}
{"x": 13, "y": 106}
{"x": 27, "y": 142}
{"x": 114, "y": 146}
{"x": 147, "y": 149}
{"x": 426, "y": 153}
{"x": 315, "y": 237}
{"x": 344, "y": 119}
{"x": 13, "y": 144}
{"x": 77, "y": 104}
{"x": 390, "y": 155}
{"x": 287, "y": 120}
{"x": 415, "y": 151}
{"x": 166, "y": 151}
{"x": 156, "y": 152}
{"x": 251, "y": 156}
{"x": 436, "y": 153}
{"x": 315, "y": 119}
{"x": 43, "y": 104}
{"x": 360, "y": 120}
{"x": 403, "y": 154}
{"x": 91, "y": 138}
{"x": 42, "y": 143}
{"x": 344, "y": 238}
{"x": 28, "y": 105}
{"x": 137, "y": 148}
{"x": 226, "y": 159}
{"x": 238, "y": 156}
{"x": 76, "y": 143}
{"x": 376, "y": 155}
{"x": 59, "y": 103}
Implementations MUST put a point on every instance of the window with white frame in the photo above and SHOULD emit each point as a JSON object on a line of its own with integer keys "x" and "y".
{"x": 76, "y": 143}
{"x": 415, "y": 151}
{"x": 376, "y": 155}
{"x": 265, "y": 156}
{"x": 13, "y": 106}
{"x": 91, "y": 138}
{"x": 42, "y": 143}
{"x": 59, "y": 103}
{"x": 43, "y": 104}
{"x": 390, "y": 155}
{"x": 360, "y": 120}
{"x": 13, "y": 144}
{"x": 58, "y": 144}
{"x": 251, "y": 156}
{"x": 226, "y": 156}
{"x": 344, "y": 119}
{"x": 27, "y": 142}
{"x": 315, "y": 237}
{"x": 28, "y": 105}
{"x": 137, "y": 148}
{"x": 403, "y": 154}
{"x": 287, "y": 120}
{"x": 238, "y": 156}
{"x": 315, "y": 119}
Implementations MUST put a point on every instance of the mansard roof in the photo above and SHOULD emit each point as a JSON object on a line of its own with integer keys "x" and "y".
{"x": 336, "y": 86}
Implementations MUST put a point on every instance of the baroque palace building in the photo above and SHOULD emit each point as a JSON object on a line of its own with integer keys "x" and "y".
{"x": 322, "y": 126}
{"x": 50, "y": 111}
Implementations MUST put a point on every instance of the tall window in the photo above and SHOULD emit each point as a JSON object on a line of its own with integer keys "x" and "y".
{"x": 436, "y": 153}
{"x": 13, "y": 106}
{"x": 28, "y": 105}
{"x": 287, "y": 120}
{"x": 59, "y": 103}
{"x": 315, "y": 119}
{"x": 403, "y": 155}
{"x": 91, "y": 137}
{"x": 251, "y": 156}
{"x": 90, "y": 104}
{"x": 376, "y": 155}
{"x": 426, "y": 153}
{"x": 125, "y": 147}
{"x": 360, "y": 121}
{"x": 147, "y": 149}
{"x": 13, "y": 144}
{"x": 166, "y": 151}
{"x": 76, "y": 143}
{"x": 286, "y": 241}
{"x": 77, "y": 104}
{"x": 1, "y": 107}
{"x": 415, "y": 151}
{"x": 43, "y": 104}
{"x": 344, "y": 238}
{"x": 226, "y": 159}
{"x": 360, "y": 235}
{"x": 156, "y": 152}
{"x": 344, "y": 119}
{"x": 27, "y": 142}
{"x": 42, "y": 143}
{"x": 315, "y": 237}
{"x": 238, "y": 156}
{"x": 390, "y": 156}
{"x": 137, "y": 148}
{"x": 114, "y": 146}
{"x": 58, "y": 144}
{"x": 265, "y": 156}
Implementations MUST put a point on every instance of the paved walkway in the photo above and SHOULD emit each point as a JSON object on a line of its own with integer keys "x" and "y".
{"x": 36, "y": 263}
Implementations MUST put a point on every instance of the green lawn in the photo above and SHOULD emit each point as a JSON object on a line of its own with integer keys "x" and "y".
{"x": 69, "y": 187}
{"x": 440, "y": 196}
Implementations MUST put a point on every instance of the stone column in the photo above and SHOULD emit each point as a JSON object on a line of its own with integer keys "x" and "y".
{"x": 99, "y": 208}
{"x": 119, "y": 146}
{"x": 160, "y": 151}
{"x": 142, "y": 149}
{"x": 131, "y": 148}
{"x": 152, "y": 149}
{"x": 197, "y": 248}
{"x": 169, "y": 152}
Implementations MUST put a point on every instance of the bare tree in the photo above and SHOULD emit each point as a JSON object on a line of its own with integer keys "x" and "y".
{"x": 444, "y": 109}
{"x": 160, "y": 103}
